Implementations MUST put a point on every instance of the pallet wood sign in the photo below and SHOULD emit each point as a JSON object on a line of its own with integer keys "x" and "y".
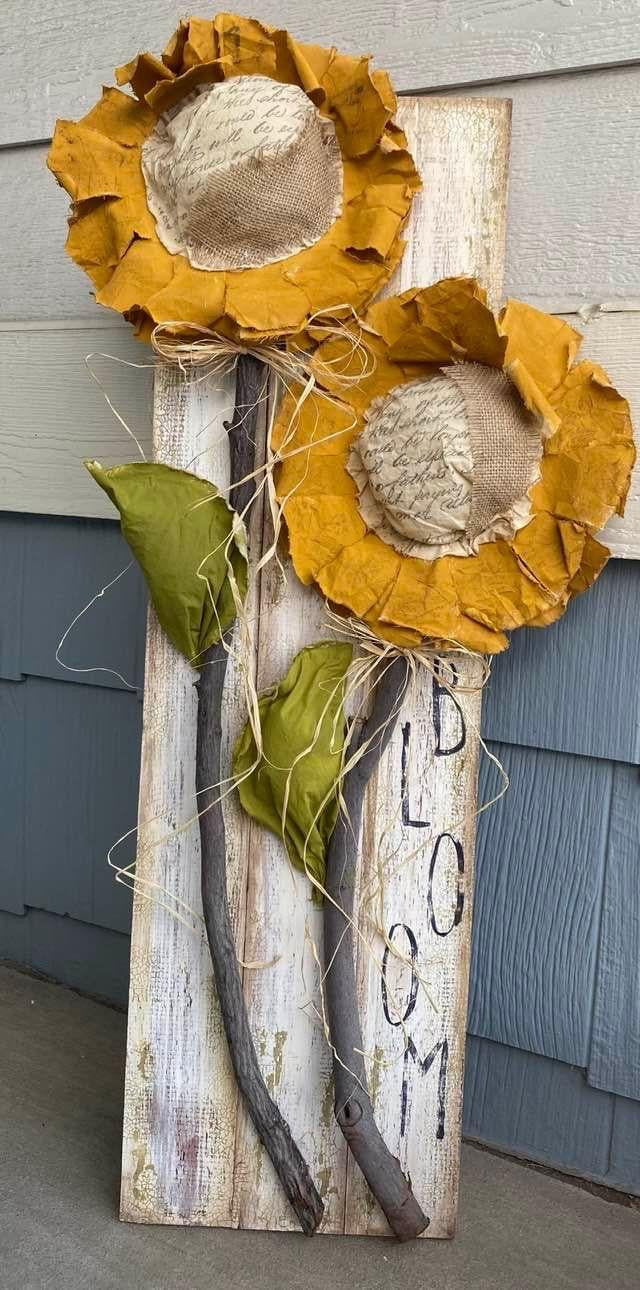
{"x": 440, "y": 473}
{"x": 190, "y": 1153}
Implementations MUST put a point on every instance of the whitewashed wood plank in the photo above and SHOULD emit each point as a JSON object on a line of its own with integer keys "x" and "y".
{"x": 283, "y": 1001}
{"x": 180, "y": 1096}
{"x": 574, "y": 217}
{"x": 425, "y": 44}
{"x": 54, "y": 414}
{"x": 464, "y": 156}
{"x": 419, "y": 830}
{"x": 423, "y": 801}
{"x": 296, "y": 1060}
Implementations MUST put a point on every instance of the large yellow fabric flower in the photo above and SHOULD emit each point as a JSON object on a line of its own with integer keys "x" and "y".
{"x": 498, "y": 583}
{"x": 114, "y": 235}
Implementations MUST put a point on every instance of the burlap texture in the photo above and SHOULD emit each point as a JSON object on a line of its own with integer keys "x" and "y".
{"x": 445, "y": 464}
{"x": 244, "y": 173}
{"x": 505, "y": 443}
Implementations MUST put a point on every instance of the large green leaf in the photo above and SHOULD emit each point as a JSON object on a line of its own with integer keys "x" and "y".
{"x": 305, "y": 711}
{"x": 186, "y": 538}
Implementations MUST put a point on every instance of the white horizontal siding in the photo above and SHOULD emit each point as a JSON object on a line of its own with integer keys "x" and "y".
{"x": 54, "y": 414}
{"x": 573, "y": 227}
{"x": 55, "y": 54}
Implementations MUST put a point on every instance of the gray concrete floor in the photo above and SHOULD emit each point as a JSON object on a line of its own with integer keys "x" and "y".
{"x": 61, "y": 1073}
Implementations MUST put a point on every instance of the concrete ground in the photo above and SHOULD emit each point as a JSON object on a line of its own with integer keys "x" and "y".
{"x": 61, "y": 1072}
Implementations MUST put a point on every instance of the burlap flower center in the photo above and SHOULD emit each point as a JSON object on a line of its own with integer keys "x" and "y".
{"x": 242, "y": 174}
{"x": 446, "y": 463}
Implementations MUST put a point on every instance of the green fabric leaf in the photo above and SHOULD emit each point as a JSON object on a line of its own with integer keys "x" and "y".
{"x": 289, "y": 716}
{"x": 173, "y": 521}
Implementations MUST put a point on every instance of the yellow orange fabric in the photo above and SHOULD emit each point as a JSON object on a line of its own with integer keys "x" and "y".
{"x": 474, "y": 600}
{"x": 113, "y": 235}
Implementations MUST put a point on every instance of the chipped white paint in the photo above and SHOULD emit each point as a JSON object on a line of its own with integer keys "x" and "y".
{"x": 190, "y": 1154}
{"x": 180, "y": 1096}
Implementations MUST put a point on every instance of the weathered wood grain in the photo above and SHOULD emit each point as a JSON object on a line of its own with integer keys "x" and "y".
{"x": 54, "y": 56}
{"x": 180, "y": 1098}
{"x": 463, "y": 150}
{"x": 464, "y": 159}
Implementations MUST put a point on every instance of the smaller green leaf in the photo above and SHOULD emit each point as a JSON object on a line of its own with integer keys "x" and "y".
{"x": 304, "y": 712}
{"x": 188, "y": 542}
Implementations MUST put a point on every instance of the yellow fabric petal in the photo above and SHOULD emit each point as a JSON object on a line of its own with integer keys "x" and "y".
{"x": 494, "y": 589}
{"x": 88, "y": 164}
{"x": 532, "y": 396}
{"x": 457, "y": 309}
{"x": 356, "y": 103}
{"x": 266, "y": 300}
{"x": 587, "y": 463}
{"x": 173, "y": 53}
{"x": 106, "y": 229}
{"x": 310, "y": 63}
{"x": 361, "y": 574}
{"x": 189, "y": 296}
{"x": 145, "y": 266}
{"x": 246, "y": 45}
{"x": 121, "y": 118}
{"x": 319, "y": 420}
{"x": 594, "y": 559}
{"x": 546, "y": 345}
{"x": 320, "y": 529}
{"x": 201, "y": 44}
{"x": 142, "y": 73}
{"x": 420, "y": 344}
{"x": 550, "y": 551}
{"x": 426, "y": 598}
{"x": 375, "y": 225}
{"x": 165, "y": 94}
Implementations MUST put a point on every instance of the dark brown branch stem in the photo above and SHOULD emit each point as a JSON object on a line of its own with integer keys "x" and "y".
{"x": 270, "y": 1125}
{"x": 353, "y": 1109}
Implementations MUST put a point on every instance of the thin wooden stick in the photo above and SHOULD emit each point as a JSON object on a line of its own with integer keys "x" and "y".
{"x": 272, "y": 1128}
{"x": 353, "y": 1109}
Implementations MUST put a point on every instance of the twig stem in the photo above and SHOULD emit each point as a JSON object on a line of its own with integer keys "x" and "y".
{"x": 353, "y": 1109}
{"x": 270, "y": 1125}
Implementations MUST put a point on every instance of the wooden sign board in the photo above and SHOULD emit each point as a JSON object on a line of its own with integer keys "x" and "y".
{"x": 190, "y": 1154}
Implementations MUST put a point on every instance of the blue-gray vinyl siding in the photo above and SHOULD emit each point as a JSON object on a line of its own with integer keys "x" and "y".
{"x": 553, "y": 1069}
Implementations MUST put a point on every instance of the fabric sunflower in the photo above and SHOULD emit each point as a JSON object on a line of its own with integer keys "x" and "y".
{"x": 452, "y": 494}
{"x": 251, "y": 182}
